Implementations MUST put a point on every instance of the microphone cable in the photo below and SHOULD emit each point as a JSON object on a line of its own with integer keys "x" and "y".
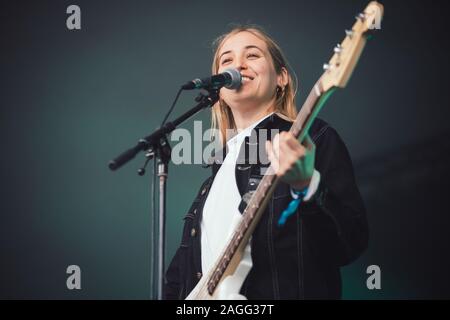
{"x": 172, "y": 107}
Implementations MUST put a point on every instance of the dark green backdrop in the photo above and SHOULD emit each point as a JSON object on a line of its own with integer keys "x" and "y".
{"x": 71, "y": 100}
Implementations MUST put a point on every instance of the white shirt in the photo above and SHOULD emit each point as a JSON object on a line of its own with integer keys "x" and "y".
{"x": 220, "y": 212}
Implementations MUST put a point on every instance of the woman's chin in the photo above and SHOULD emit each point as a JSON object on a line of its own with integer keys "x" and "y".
{"x": 240, "y": 99}
{"x": 243, "y": 93}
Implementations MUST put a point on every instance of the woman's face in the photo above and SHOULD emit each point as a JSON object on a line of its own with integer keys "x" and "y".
{"x": 249, "y": 54}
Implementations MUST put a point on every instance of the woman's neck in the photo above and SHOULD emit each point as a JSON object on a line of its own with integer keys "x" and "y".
{"x": 245, "y": 118}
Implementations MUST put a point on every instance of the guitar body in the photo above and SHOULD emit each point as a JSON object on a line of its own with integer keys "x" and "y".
{"x": 230, "y": 286}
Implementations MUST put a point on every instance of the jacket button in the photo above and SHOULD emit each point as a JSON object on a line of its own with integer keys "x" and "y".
{"x": 193, "y": 232}
{"x": 199, "y": 275}
{"x": 203, "y": 191}
{"x": 195, "y": 211}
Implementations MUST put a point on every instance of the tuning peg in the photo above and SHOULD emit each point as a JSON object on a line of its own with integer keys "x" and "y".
{"x": 360, "y": 16}
{"x": 338, "y": 49}
{"x": 326, "y": 66}
{"x": 349, "y": 33}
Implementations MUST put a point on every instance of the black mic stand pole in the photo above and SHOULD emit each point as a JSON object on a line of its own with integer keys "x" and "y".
{"x": 157, "y": 147}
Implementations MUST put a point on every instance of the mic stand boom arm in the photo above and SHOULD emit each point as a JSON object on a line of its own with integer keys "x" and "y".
{"x": 204, "y": 101}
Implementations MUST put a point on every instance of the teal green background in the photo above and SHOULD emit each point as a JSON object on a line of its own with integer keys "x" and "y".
{"x": 72, "y": 100}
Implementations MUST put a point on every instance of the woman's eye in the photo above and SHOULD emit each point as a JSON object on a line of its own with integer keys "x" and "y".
{"x": 226, "y": 60}
{"x": 252, "y": 55}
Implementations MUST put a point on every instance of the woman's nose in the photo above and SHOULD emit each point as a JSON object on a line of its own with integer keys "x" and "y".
{"x": 241, "y": 64}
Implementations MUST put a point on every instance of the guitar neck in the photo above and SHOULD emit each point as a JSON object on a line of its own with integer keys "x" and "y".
{"x": 309, "y": 111}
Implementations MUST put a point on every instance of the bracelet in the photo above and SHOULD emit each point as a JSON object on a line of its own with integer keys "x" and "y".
{"x": 293, "y": 205}
{"x": 297, "y": 194}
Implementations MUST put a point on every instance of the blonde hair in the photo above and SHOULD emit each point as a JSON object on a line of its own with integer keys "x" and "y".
{"x": 222, "y": 117}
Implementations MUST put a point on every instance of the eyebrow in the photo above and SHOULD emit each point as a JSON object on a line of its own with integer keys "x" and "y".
{"x": 247, "y": 47}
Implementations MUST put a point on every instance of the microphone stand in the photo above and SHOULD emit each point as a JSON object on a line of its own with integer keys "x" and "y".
{"x": 158, "y": 147}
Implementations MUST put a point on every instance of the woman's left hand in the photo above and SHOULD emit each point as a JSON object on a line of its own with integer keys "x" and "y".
{"x": 291, "y": 160}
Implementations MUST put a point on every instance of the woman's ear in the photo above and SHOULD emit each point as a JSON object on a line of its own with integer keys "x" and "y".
{"x": 283, "y": 78}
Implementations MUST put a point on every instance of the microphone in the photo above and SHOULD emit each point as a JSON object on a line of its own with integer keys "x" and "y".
{"x": 230, "y": 78}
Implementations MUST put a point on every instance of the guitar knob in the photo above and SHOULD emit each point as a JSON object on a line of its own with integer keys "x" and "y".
{"x": 338, "y": 49}
{"x": 326, "y": 66}
{"x": 349, "y": 33}
{"x": 360, "y": 16}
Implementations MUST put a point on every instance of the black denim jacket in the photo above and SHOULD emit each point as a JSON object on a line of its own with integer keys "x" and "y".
{"x": 300, "y": 260}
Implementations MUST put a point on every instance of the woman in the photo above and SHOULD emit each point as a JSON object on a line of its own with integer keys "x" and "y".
{"x": 296, "y": 257}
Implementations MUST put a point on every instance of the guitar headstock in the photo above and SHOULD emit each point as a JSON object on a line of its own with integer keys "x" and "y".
{"x": 346, "y": 54}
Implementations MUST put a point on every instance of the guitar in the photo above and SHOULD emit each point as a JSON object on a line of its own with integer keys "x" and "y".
{"x": 227, "y": 275}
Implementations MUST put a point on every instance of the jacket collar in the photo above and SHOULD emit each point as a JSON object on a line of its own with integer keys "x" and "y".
{"x": 274, "y": 121}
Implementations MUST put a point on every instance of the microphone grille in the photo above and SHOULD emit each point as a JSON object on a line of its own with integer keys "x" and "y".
{"x": 236, "y": 78}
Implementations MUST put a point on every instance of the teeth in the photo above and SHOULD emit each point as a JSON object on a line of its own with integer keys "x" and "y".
{"x": 246, "y": 78}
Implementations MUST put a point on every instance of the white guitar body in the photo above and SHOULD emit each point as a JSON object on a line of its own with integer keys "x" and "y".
{"x": 231, "y": 285}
